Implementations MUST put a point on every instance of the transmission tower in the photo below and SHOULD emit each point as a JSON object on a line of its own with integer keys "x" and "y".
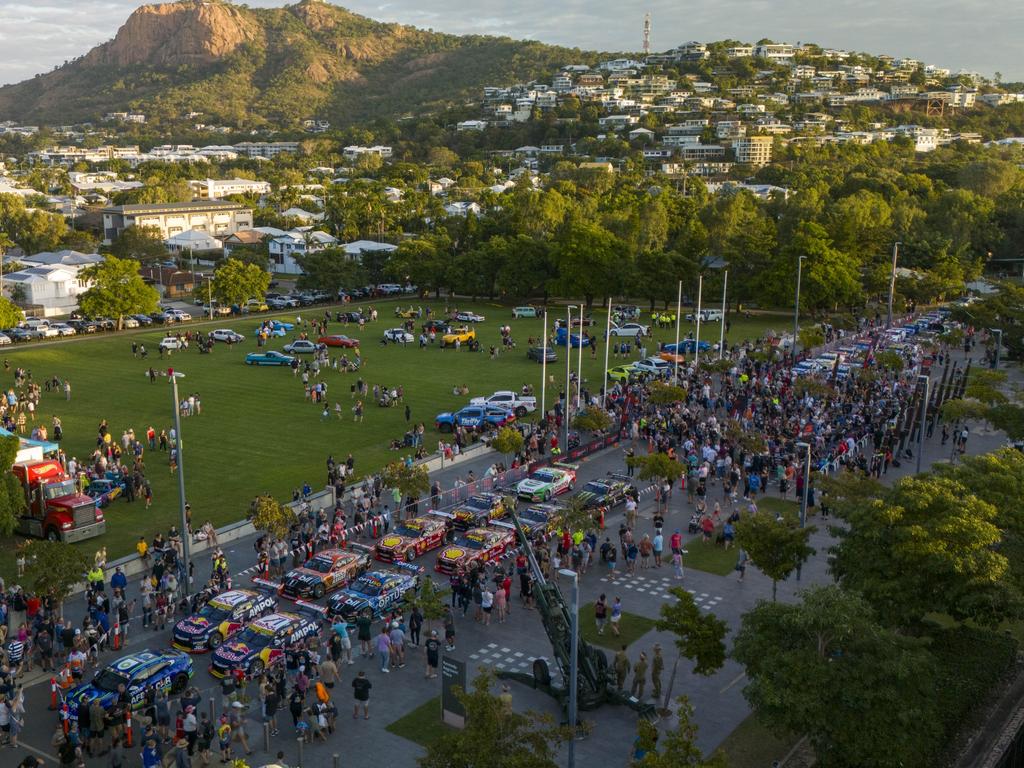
{"x": 647, "y": 34}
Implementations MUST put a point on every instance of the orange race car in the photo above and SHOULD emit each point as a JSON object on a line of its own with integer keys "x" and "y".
{"x": 411, "y": 538}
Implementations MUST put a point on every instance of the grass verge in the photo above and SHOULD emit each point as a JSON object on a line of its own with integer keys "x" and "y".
{"x": 422, "y": 725}
{"x": 631, "y": 628}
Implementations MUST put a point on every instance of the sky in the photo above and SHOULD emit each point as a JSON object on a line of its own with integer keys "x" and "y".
{"x": 975, "y": 35}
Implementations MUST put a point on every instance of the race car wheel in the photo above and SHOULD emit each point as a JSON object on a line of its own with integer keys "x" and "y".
{"x": 410, "y": 554}
{"x": 215, "y": 640}
{"x": 520, "y": 412}
{"x": 318, "y": 591}
{"x": 179, "y": 683}
{"x": 256, "y": 668}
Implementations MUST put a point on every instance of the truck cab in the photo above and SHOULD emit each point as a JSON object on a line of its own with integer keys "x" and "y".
{"x": 55, "y": 508}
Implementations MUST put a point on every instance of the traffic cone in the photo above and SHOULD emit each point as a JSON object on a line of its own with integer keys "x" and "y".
{"x": 117, "y": 636}
{"x": 65, "y": 719}
{"x": 128, "y": 727}
{"x": 53, "y": 694}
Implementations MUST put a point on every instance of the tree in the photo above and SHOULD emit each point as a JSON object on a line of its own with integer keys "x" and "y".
{"x": 508, "y": 441}
{"x": 143, "y": 244}
{"x": 665, "y": 394}
{"x": 926, "y": 545}
{"x": 271, "y": 517}
{"x": 10, "y": 315}
{"x": 676, "y": 748}
{"x": 592, "y": 419}
{"x": 656, "y": 466}
{"x": 117, "y": 290}
{"x": 777, "y": 546}
{"x": 329, "y": 270}
{"x": 53, "y": 568}
{"x": 12, "y": 497}
{"x": 493, "y": 736}
{"x": 590, "y": 261}
{"x": 410, "y": 480}
{"x": 824, "y": 667}
{"x": 235, "y": 282}
{"x": 430, "y": 600}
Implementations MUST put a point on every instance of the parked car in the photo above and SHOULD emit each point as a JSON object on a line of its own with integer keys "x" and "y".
{"x": 170, "y": 343}
{"x": 653, "y": 365}
{"x": 273, "y": 357}
{"x": 88, "y": 326}
{"x": 338, "y": 340}
{"x": 348, "y": 317}
{"x": 437, "y": 326}
{"x": 399, "y": 336}
{"x": 179, "y": 315}
{"x": 129, "y": 322}
{"x": 469, "y": 317}
{"x": 227, "y": 336}
{"x": 302, "y": 347}
{"x": 539, "y": 353}
{"x": 630, "y": 329}
{"x": 20, "y": 334}
{"x": 520, "y": 405}
{"x": 63, "y": 329}
{"x": 389, "y": 289}
{"x": 221, "y": 618}
{"x": 462, "y": 334}
{"x": 141, "y": 673}
{"x": 524, "y": 312}
{"x": 479, "y": 510}
{"x": 686, "y": 345}
{"x": 622, "y": 372}
{"x": 4, "y": 339}
{"x": 706, "y": 316}
{"x": 474, "y": 417}
{"x": 545, "y": 483}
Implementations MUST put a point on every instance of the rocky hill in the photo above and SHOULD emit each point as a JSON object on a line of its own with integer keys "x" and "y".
{"x": 252, "y": 67}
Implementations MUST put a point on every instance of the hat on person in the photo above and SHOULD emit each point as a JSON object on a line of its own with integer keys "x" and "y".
{"x": 189, "y": 709}
{"x": 238, "y": 705}
{"x": 394, "y": 625}
{"x": 182, "y": 743}
{"x": 433, "y": 633}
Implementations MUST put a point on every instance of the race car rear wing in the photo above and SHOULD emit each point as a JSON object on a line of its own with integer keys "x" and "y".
{"x": 620, "y": 476}
{"x": 439, "y": 513}
{"x": 311, "y": 609}
{"x": 502, "y": 524}
{"x": 565, "y": 465}
{"x": 360, "y": 548}
{"x": 408, "y": 567}
{"x": 265, "y": 585}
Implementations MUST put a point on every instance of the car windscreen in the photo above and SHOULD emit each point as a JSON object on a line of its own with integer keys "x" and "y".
{"x": 109, "y": 679}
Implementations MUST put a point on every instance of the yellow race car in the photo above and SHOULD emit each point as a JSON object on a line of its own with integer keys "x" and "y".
{"x": 462, "y": 334}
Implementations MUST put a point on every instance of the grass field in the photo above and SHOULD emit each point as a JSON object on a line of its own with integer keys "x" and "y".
{"x": 751, "y": 745}
{"x": 631, "y": 627}
{"x": 257, "y": 433}
{"x": 422, "y": 725}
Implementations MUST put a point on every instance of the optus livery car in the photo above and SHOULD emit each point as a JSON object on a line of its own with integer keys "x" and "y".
{"x": 220, "y": 618}
{"x": 411, "y": 538}
{"x": 378, "y": 591}
{"x": 325, "y": 571}
{"x": 263, "y": 642}
{"x": 475, "y": 545}
{"x": 138, "y": 672}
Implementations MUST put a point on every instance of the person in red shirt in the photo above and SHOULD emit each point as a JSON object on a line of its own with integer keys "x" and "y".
{"x": 676, "y": 542}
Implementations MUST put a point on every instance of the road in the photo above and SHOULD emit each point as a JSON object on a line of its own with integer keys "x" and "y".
{"x": 718, "y": 699}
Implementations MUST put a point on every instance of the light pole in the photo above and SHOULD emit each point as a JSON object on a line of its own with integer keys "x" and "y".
{"x": 579, "y": 361}
{"x": 922, "y": 379}
{"x": 544, "y": 369}
{"x": 892, "y": 282}
{"x": 796, "y": 307}
{"x": 607, "y": 343}
{"x": 700, "y": 298}
{"x": 679, "y": 316}
{"x": 185, "y": 534}
{"x": 998, "y": 333}
{"x": 568, "y": 369}
{"x": 721, "y": 335}
{"x": 806, "y": 448}
{"x": 209, "y": 294}
{"x": 573, "y": 659}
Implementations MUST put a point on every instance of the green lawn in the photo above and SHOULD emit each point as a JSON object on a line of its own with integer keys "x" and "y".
{"x": 631, "y": 627}
{"x": 422, "y": 725}
{"x": 257, "y": 433}
{"x": 709, "y": 557}
{"x": 752, "y": 745}
{"x": 775, "y": 505}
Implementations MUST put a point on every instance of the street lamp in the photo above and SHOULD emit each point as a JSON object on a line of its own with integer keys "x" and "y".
{"x": 544, "y": 369}
{"x": 922, "y": 379}
{"x": 573, "y": 658}
{"x": 796, "y": 307}
{"x": 185, "y": 533}
{"x": 806, "y": 448}
{"x": 568, "y": 368}
{"x": 892, "y": 281}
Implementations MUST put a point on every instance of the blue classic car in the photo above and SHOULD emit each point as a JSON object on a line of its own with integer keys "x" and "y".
{"x": 474, "y": 417}
{"x": 105, "y": 489}
{"x": 269, "y": 358}
{"x": 274, "y": 328}
{"x": 685, "y": 345}
{"x": 140, "y": 672}
{"x": 378, "y": 591}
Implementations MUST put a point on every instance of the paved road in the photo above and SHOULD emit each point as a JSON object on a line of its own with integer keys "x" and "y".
{"x": 718, "y": 699}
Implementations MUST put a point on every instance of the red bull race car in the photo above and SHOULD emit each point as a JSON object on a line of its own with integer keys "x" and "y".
{"x": 263, "y": 642}
{"x": 221, "y": 618}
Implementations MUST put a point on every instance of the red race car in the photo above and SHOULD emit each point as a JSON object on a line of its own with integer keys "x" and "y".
{"x": 478, "y": 545}
{"x": 338, "y": 340}
{"x": 411, "y": 538}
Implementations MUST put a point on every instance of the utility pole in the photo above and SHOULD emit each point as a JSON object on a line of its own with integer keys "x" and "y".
{"x": 892, "y": 282}
{"x": 186, "y": 535}
{"x": 796, "y": 306}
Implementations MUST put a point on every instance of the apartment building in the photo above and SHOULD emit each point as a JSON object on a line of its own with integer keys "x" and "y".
{"x": 753, "y": 150}
{"x": 218, "y": 189}
{"x": 216, "y": 217}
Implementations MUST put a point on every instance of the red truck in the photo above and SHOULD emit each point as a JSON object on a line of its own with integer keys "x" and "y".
{"x": 56, "y": 510}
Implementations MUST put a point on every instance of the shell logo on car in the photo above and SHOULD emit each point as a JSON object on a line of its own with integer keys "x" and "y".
{"x": 391, "y": 541}
{"x": 453, "y": 553}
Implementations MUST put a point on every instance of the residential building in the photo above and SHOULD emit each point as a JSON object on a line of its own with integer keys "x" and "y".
{"x": 740, "y": 52}
{"x": 52, "y": 286}
{"x": 780, "y": 53}
{"x": 753, "y": 150}
{"x": 286, "y": 249}
{"x": 357, "y": 248}
{"x": 218, "y": 189}
{"x": 471, "y": 125}
{"x": 216, "y": 217}
{"x": 192, "y": 240}
{"x": 353, "y": 152}
{"x": 247, "y": 238}
{"x": 266, "y": 149}
{"x": 170, "y": 283}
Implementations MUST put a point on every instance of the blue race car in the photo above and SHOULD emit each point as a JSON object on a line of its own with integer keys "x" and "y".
{"x": 105, "y": 489}
{"x": 378, "y": 591}
{"x": 474, "y": 417}
{"x": 167, "y": 671}
{"x": 274, "y": 328}
{"x": 269, "y": 358}
{"x": 686, "y": 345}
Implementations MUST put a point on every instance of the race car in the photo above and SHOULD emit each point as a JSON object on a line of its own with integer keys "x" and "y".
{"x": 538, "y": 520}
{"x": 325, "y": 571}
{"x": 376, "y": 591}
{"x": 104, "y": 490}
{"x": 480, "y": 509}
{"x": 411, "y": 538}
{"x": 220, "y": 618}
{"x": 546, "y": 483}
{"x": 474, "y": 417}
{"x": 263, "y": 642}
{"x": 140, "y": 672}
{"x": 479, "y": 545}
{"x": 605, "y": 493}
{"x": 462, "y": 334}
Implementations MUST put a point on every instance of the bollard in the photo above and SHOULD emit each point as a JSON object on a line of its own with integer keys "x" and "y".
{"x": 212, "y": 718}
{"x": 53, "y": 694}
{"x": 300, "y": 740}
{"x": 266, "y": 737}
{"x": 128, "y": 736}
{"x": 336, "y": 758}
{"x": 117, "y": 636}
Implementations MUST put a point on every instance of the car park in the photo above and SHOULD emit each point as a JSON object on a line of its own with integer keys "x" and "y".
{"x": 546, "y": 483}
{"x": 142, "y": 674}
{"x": 630, "y": 329}
{"x": 227, "y": 336}
{"x": 141, "y": 320}
{"x": 399, "y": 336}
{"x": 326, "y": 571}
{"x": 338, "y": 340}
{"x": 474, "y": 417}
{"x": 171, "y": 343}
{"x": 221, "y": 618}
{"x": 409, "y": 539}
{"x": 525, "y": 311}
{"x": 469, "y": 317}
{"x": 302, "y": 347}
{"x": 477, "y": 545}
{"x": 262, "y": 643}
{"x": 540, "y": 353}
{"x": 273, "y": 357}
{"x": 376, "y": 592}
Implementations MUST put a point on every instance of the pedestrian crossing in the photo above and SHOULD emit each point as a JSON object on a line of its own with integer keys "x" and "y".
{"x": 658, "y": 586}
{"x": 505, "y": 659}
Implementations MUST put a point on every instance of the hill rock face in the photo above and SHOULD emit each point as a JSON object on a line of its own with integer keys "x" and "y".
{"x": 272, "y": 67}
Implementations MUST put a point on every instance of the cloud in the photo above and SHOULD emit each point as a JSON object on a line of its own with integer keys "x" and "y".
{"x": 978, "y": 35}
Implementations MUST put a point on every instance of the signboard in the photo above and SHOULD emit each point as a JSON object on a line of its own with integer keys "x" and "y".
{"x": 453, "y": 675}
